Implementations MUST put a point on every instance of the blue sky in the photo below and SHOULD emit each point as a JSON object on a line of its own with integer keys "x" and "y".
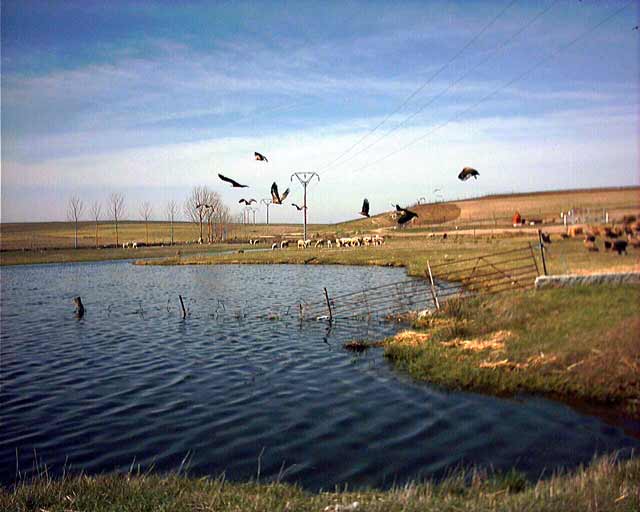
{"x": 153, "y": 98}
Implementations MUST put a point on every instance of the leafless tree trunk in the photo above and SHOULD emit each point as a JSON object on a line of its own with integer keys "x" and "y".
{"x": 145, "y": 212}
{"x": 74, "y": 212}
{"x": 172, "y": 210}
{"x": 117, "y": 209}
{"x": 194, "y": 206}
{"x": 96, "y": 211}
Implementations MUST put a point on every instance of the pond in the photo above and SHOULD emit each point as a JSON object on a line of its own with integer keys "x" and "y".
{"x": 239, "y": 388}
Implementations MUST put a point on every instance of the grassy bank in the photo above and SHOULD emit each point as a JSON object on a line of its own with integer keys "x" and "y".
{"x": 89, "y": 254}
{"x": 577, "y": 344}
{"x": 563, "y": 256}
{"x": 606, "y": 484}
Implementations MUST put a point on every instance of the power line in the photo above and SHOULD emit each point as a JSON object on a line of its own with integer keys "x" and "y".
{"x": 495, "y": 91}
{"x": 421, "y": 88}
{"x": 452, "y": 84}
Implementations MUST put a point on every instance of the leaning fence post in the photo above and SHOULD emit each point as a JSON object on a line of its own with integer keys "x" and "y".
{"x": 326, "y": 296}
{"x": 184, "y": 311}
{"x": 544, "y": 261}
{"x": 433, "y": 287}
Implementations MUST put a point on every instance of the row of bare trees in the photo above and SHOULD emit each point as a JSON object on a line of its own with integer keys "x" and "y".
{"x": 203, "y": 207}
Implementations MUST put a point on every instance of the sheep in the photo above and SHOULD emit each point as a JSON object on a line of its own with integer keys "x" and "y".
{"x": 301, "y": 244}
{"x": 329, "y": 244}
{"x": 134, "y": 245}
{"x": 307, "y": 243}
{"x": 284, "y": 243}
{"x": 319, "y": 243}
{"x": 620, "y": 246}
{"x": 274, "y": 246}
{"x": 607, "y": 245}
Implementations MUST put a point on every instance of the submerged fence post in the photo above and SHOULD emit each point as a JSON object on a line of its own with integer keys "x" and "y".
{"x": 326, "y": 296}
{"x": 433, "y": 287}
{"x": 184, "y": 311}
{"x": 544, "y": 261}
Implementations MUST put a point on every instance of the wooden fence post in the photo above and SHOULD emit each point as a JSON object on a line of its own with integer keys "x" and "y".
{"x": 544, "y": 261}
{"x": 184, "y": 311}
{"x": 433, "y": 287}
{"x": 326, "y": 295}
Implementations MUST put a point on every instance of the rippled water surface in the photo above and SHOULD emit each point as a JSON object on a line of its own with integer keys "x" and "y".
{"x": 237, "y": 382}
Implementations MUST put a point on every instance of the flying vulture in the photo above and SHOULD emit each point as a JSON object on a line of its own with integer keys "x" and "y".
{"x": 247, "y": 201}
{"x": 259, "y": 157}
{"x": 467, "y": 172}
{"x": 298, "y": 207}
{"x": 204, "y": 205}
{"x": 365, "y": 208}
{"x": 405, "y": 216}
{"x": 275, "y": 197}
{"x": 234, "y": 183}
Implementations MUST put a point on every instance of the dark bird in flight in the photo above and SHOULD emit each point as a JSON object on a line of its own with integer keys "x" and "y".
{"x": 298, "y": 207}
{"x": 365, "y": 207}
{"x": 204, "y": 205}
{"x": 234, "y": 183}
{"x": 275, "y": 197}
{"x": 259, "y": 157}
{"x": 405, "y": 215}
{"x": 247, "y": 201}
{"x": 635, "y": 28}
{"x": 467, "y": 172}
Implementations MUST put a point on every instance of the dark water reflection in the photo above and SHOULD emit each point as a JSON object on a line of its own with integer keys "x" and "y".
{"x": 132, "y": 381}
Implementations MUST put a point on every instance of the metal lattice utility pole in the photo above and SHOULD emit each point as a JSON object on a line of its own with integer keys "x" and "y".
{"x": 266, "y": 202}
{"x": 304, "y": 178}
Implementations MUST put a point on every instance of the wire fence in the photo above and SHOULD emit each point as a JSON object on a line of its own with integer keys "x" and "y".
{"x": 490, "y": 273}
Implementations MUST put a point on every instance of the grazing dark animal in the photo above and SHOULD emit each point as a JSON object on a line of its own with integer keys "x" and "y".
{"x": 365, "y": 208}
{"x": 607, "y": 245}
{"x": 234, "y": 183}
{"x": 589, "y": 238}
{"x": 259, "y": 157}
{"x": 467, "y": 172}
{"x": 297, "y": 207}
{"x": 546, "y": 237}
{"x": 620, "y": 246}
{"x": 564, "y": 236}
{"x": 79, "y": 307}
{"x": 247, "y": 201}
{"x": 275, "y": 196}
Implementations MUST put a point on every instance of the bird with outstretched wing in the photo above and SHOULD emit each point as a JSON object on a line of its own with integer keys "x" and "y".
{"x": 467, "y": 172}
{"x": 275, "y": 196}
{"x": 247, "y": 201}
{"x": 234, "y": 183}
{"x": 365, "y": 208}
{"x": 260, "y": 157}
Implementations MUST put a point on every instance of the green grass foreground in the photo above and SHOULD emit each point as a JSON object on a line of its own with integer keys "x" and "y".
{"x": 607, "y": 484}
{"x": 578, "y": 344}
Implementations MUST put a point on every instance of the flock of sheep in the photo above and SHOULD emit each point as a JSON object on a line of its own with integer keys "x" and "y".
{"x": 355, "y": 241}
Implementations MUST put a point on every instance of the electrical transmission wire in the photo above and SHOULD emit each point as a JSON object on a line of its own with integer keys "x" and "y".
{"x": 498, "y": 48}
{"x": 421, "y": 88}
{"x": 498, "y": 89}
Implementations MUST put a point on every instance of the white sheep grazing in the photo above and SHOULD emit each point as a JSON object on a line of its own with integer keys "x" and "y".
{"x": 301, "y": 244}
{"x": 329, "y": 244}
{"x": 274, "y": 246}
{"x": 124, "y": 245}
{"x": 319, "y": 243}
{"x": 366, "y": 240}
{"x": 284, "y": 243}
{"x": 134, "y": 245}
{"x": 307, "y": 243}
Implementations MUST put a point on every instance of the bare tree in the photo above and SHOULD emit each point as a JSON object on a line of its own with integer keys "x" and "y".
{"x": 194, "y": 206}
{"x": 117, "y": 209}
{"x": 75, "y": 207}
{"x": 145, "y": 212}
{"x": 96, "y": 212}
{"x": 172, "y": 210}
